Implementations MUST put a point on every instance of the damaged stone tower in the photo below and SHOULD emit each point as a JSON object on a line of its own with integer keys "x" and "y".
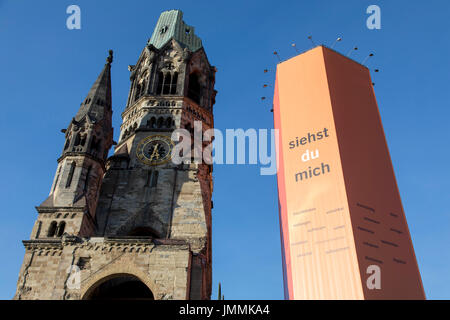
{"x": 134, "y": 225}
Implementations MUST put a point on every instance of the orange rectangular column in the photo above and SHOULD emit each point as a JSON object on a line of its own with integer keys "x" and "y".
{"x": 344, "y": 232}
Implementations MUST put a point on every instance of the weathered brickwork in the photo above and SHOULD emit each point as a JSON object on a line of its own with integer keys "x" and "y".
{"x": 120, "y": 227}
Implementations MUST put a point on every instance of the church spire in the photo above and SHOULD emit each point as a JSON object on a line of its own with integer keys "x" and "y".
{"x": 98, "y": 100}
{"x": 89, "y": 137}
{"x": 95, "y": 113}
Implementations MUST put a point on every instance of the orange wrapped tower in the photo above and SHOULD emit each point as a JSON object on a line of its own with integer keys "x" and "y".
{"x": 343, "y": 229}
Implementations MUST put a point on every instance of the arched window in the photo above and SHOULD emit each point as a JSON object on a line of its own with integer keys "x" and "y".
{"x": 52, "y": 229}
{"x": 160, "y": 83}
{"x": 61, "y": 227}
{"x": 168, "y": 122}
{"x": 77, "y": 140}
{"x": 82, "y": 139}
{"x": 194, "y": 88}
{"x": 173, "y": 85}
{"x": 70, "y": 177}
{"x": 138, "y": 91}
{"x": 160, "y": 122}
{"x": 143, "y": 83}
{"x": 152, "y": 122}
{"x": 167, "y": 83}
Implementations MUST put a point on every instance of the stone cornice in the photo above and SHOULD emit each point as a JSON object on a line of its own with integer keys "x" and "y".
{"x": 43, "y": 244}
{"x": 60, "y": 209}
{"x": 143, "y": 240}
{"x": 125, "y": 244}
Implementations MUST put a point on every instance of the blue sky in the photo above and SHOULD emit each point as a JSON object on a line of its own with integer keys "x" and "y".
{"x": 46, "y": 70}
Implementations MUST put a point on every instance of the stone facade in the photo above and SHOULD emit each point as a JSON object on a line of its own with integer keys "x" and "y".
{"x": 118, "y": 224}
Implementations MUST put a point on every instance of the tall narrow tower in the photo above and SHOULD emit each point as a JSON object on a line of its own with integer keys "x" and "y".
{"x": 134, "y": 225}
{"x": 344, "y": 232}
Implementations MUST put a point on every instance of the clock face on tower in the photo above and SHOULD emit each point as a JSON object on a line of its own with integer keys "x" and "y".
{"x": 154, "y": 150}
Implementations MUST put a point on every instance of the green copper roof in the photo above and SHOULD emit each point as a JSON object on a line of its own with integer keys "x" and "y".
{"x": 171, "y": 25}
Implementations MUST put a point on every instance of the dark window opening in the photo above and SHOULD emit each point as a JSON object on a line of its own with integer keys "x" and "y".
{"x": 167, "y": 83}
{"x": 77, "y": 140}
{"x": 168, "y": 122}
{"x": 160, "y": 122}
{"x": 173, "y": 86}
{"x": 163, "y": 29}
{"x": 84, "y": 263}
{"x": 52, "y": 229}
{"x": 160, "y": 83}
{"x": 61, "y": 227}
{"x": 151, "y": 123}
{"x": 194, "y": 88}
{"x": 83, "y": 140}
{"x": 138, "y": 92}
{"x": 70, "y": 177}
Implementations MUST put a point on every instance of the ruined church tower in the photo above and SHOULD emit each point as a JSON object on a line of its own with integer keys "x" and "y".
{"x": 134, "y": 225}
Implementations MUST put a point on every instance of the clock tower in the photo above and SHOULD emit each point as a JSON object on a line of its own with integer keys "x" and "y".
{"x": 134, "y": 225}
